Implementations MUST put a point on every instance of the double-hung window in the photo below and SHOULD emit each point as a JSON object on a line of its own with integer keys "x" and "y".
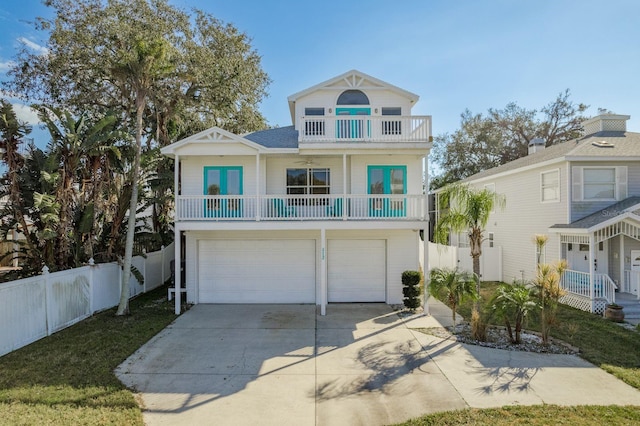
{"x": 308, "y": 182}
{"x": 391, "y": 126}
{"x": 599, "y": 183}
{"x": 550, "y": 186}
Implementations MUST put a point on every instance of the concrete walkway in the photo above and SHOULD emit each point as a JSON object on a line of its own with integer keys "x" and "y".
{"x": 359, "y": 364}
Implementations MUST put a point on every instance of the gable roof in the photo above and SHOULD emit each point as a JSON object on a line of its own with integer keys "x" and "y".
{"x": 214, "y": 134}
{"x": 280, "y": 137}
{"x": 621, "y": 145}
{"x": 629, "y": 207}
{"x": 353, "y": 79}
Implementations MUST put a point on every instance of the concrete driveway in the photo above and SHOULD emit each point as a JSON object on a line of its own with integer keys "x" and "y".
{"x": 359, "y": 364}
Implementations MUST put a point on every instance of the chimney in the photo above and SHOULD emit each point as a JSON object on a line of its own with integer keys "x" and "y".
{"x": 536, "y": 145}
{"x": 605, "y": 122}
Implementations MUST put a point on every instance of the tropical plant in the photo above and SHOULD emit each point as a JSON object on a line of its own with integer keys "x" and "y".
{"x": 513, "y": 303}
{"x": 468, "y": 211}
{"x": 452, "y": 286}
{"x": 548, "y": 291}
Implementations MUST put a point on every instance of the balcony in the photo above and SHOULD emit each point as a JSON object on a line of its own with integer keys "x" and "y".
{"x": 402, "y": 207}
{"x": 365, "y": 128}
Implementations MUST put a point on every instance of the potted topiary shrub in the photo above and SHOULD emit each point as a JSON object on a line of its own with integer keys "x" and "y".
{"x": 411, "y": 289}
{"x": 614, "y": 312}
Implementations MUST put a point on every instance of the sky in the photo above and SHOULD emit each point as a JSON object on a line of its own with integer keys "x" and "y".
{"x": 456, "y": 55}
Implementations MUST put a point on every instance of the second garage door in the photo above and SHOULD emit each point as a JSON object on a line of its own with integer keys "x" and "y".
{"x": 356, "y": 270}
{"x": 257, "y": 271}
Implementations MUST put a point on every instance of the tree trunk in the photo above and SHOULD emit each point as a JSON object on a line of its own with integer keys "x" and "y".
{"x": 123, "y": 307}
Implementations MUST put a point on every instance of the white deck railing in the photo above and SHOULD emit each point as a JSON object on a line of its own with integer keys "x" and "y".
{"x": 631, "y": 282}
{"x": 365, "y": 128}
{"x": 577, "y": 282}
{"x": 301, "y": 207}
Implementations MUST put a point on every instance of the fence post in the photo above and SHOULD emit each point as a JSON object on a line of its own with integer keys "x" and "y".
{"x": 45, "y": 275}
{"x": 162, "y": 263}
{"x": 144, "y": 270}
{"x": 92, "y": 264}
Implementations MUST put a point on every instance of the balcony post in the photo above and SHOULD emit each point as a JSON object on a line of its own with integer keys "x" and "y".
{"x": 258, "y": 187}
{"x": 344, "y": 186}
{"x": 176, "y": 173}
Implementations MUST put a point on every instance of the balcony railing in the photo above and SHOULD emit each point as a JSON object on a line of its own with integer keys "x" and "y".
{"x": 365, "y": 128}
{"x": 400, "y": 207}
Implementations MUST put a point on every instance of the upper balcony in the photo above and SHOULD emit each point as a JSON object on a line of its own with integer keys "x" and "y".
{"x": 365, "y": 128}
{"x": 379, "y": 207}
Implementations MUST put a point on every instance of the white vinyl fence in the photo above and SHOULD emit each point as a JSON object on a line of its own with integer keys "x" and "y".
{"x": 35, "y": 307}
{"x": 442, "y": 256}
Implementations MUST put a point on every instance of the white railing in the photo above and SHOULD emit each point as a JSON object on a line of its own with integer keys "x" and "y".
{"x": 365, "y": 128}
{"x": 579, "y": 283}
{"x": 302, "y": 207}
{"x": 35, "y": 307}
{"x": 631, "y": 282}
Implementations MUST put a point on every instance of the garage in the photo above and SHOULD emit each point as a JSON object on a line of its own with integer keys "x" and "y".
{"x": 256, "y": 271}
{"x": 356, "y": 270}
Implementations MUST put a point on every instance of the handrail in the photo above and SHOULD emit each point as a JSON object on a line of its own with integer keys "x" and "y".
{"x": 579, "y": 283}
{"x": 366, "y": 128}
{"x": 302, "y": 207}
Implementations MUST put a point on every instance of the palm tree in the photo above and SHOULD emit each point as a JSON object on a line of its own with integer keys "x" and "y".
{"x": 139, "y": 66}
{"x": 452, "y": 286}
{"x": 513, "y": 302}
{"x": 468, "y": 211}
{"x": 11, "y": 133}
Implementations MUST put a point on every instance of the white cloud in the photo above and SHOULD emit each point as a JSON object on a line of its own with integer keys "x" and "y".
{"x": 5, "y": 66}
{"x": 33, "y": 46}
{"x": 26, "y": 114}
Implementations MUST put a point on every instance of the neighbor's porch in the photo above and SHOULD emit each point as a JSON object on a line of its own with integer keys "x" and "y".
{"x": 603, "y": 263}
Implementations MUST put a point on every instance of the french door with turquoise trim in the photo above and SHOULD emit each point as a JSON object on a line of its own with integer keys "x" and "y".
{"x": 352, "y": 128}
{"x": 387, "y": 180}
{"x": 223, "y": 180}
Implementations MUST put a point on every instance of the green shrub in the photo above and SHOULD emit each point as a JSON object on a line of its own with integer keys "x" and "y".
{"x": 411, "y": 289}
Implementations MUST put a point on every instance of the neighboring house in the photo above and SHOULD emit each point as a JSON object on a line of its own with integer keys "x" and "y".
{"x": 585, "y": 195}
{"x": 327, "y": 210}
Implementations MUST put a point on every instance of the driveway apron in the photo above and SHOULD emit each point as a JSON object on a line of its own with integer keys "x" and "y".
{"x": 359, "y": 364}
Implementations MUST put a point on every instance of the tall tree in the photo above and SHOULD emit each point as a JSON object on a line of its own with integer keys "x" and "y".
{"x": 468, "y": 211}
{"x": 163, "y": 71}
{"x": 503, "y": 135}
{"x": 11, "y": 133}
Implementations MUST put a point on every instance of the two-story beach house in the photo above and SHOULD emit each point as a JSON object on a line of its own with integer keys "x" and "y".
{"x": 585, "y": 196}
{"x": 327, "y": 210}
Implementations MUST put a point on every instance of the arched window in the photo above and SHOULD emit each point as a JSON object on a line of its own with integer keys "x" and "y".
{"x": 353, "y": 97}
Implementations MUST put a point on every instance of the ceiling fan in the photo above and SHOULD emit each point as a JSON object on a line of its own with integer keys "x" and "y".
{"x": 307, "y": 162}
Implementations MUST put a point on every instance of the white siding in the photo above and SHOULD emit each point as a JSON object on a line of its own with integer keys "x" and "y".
{"x": 193, "y": 172}
{"x": 523, "y": 217}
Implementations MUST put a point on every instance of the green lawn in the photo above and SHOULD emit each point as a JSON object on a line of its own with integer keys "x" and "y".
{"x": 68, "y": 378}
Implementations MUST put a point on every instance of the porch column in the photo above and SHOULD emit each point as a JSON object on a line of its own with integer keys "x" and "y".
{"x": 178, "y": 275}
{"x": 592, "y": 270}
{"x": 258, "y": 206}
{"x": 323, "y": 272}
{"x": 623, "y": 284}
{"x": 425, "y": 269}
{"x": 344, "y": 186}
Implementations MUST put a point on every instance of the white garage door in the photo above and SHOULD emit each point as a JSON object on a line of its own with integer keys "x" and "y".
{"x": 356, "y": 270}
{"x": 259, "y": 271}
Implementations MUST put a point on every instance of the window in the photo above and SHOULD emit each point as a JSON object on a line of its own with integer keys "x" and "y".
{"x": 599, "y": 184}
{"x": 391, "y": 127}
{"x": 550, "y": 186}
{"x": 490, "y": 239}
{"x": 314, "y": 126}
{"x": 353, "y": 97}
{"x": 308, "y": 182}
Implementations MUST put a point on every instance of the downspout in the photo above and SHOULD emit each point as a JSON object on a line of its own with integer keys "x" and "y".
{"x": 592, "y": 271}
{"x": 176, "y": 237}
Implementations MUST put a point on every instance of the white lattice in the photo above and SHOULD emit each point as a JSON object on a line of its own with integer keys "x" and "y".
{"x": 583, "y": 303}
{"x": 574, "y": 239}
